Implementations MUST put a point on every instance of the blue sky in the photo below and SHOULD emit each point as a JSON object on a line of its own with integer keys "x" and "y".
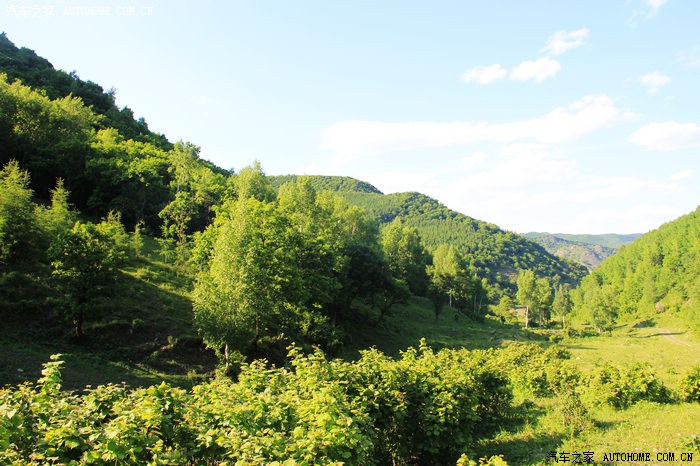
{"x": 575, "y": 117}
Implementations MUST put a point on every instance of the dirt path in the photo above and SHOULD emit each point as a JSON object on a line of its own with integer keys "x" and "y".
{"x": 669, "y": 334}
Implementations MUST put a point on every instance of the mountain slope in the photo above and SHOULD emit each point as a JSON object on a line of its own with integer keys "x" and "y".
{"x": 659, "y": 272}
{"x": 610, "y": 240}
{"x": 38, "y": 73}
{"x": 331, "y": 183}
{"x": 492, "y": 253}
{"x": 587, "y": 254}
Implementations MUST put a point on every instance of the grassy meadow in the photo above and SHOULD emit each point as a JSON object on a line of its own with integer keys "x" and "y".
{"x": 538, "y": 426}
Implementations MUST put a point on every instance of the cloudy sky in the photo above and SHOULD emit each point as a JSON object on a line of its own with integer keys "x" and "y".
{"x": 576, "y": 117}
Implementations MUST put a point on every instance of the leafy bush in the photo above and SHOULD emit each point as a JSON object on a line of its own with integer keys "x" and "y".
{"x": 425, "y": 408}
{"x": 528, "y": 366}
{"x": 428, "y": 407}
{"x": 690, "y": 385}
{"x": 492, "y": 461}
{"x": 622, "y": 387}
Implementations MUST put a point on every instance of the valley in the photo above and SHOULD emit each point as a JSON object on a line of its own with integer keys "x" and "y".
{"x": 160, "y": 309}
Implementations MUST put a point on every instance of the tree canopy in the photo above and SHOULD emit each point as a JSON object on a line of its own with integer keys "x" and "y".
{"x": 659, "y": 272}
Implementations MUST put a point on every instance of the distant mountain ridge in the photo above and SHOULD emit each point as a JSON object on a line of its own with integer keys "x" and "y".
{"x": 492, "y": 253}
{"x": 608, "y": 240}
{"x": 589, "y": 250}
{"x": 331, "y": 183}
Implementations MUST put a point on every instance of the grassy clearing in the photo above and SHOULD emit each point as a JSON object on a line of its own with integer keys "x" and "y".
{"x": 538, "y": 426}
{"x": 643, "y": 427}
{"x": 408, "y": 323}
{"x": 670, "y": 350}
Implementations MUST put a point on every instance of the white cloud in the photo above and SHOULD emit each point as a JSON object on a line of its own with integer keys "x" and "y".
{"x": 484, "y": 74}
{"x": 535, "y": 70}
{"x": 561, "y": 41}
{"x": 666, "y": 136}
{"x": 535, "y": 187}
{"x": 654, "y": 81}
{"x": 654, "y": 6}
{"x": 563, "y": 124}
{"x": 682, "y": 175}
{"x": 473, "y": 161}
{"x": 520, "y": 165}
{"x": 690, "y": 57}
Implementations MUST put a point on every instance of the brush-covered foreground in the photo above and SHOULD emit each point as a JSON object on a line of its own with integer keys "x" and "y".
{"x": 628, "y": 390}
{"x": 634, "y": 390}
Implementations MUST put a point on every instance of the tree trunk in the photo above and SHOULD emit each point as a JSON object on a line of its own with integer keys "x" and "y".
{"x": 79, "y": 324}
{"x": 226, "y": 359}
{"x": 527, "y": 316}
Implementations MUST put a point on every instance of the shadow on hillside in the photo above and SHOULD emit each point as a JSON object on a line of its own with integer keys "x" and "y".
{"x": 525, "y": 449}
{"x": 408, "y": 324}
{"x": 140, "y": 335}
{"x": 660, "y": 334}
{"x": 645, "y": 324}
{"x": 517, "y": 441}
{"x": 581, "y": 347}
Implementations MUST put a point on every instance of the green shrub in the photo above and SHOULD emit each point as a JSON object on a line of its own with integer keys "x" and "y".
{"x": 492, "y": 461}
{"x": 690, "y": 385}
{"x": 428, "y": 406}
{"x": 528, "y": 366}
{"x": 425, "y": 408}
{"x": 622, "y": 387}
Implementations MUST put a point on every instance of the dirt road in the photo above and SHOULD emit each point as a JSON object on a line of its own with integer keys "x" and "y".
{"x": 669, "y": 335}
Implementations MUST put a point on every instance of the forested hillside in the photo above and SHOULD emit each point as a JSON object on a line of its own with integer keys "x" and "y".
{"x": 38, "y": 73}
{"x": 490, "y": 252}
{"x": 330, "y": 183}
{"x": 588, "y": 254}
{"x": 658, "y": 273}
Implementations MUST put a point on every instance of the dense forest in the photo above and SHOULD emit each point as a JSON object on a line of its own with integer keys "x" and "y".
{"x": 658, "y": 273}
{"x": 117, "y": 244}
{"x": 492, "y": 254}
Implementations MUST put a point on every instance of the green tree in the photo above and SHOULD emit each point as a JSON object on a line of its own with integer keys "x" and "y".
{"x": 59, "y": 216}
{"x": 18, "y": 226}
{"x": 543, "y": 294}
{"x": 251, "y": 286}
{"x": 49, "y": 138}
{"x": 130, "y": 176}
{"x": 562, "y": 304}
{"x": 137, "y": 241}
{"x": 451, "y": 280}
{"x": 252, "y": 182}
{"x": 407, "y": 258}
{"x": 84, "y": 262}
{"x": 444, "y": 271}
{"x": 504, "y": 307}
{"x": 176, "y": 217}
{"x": 527, "y": 293}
